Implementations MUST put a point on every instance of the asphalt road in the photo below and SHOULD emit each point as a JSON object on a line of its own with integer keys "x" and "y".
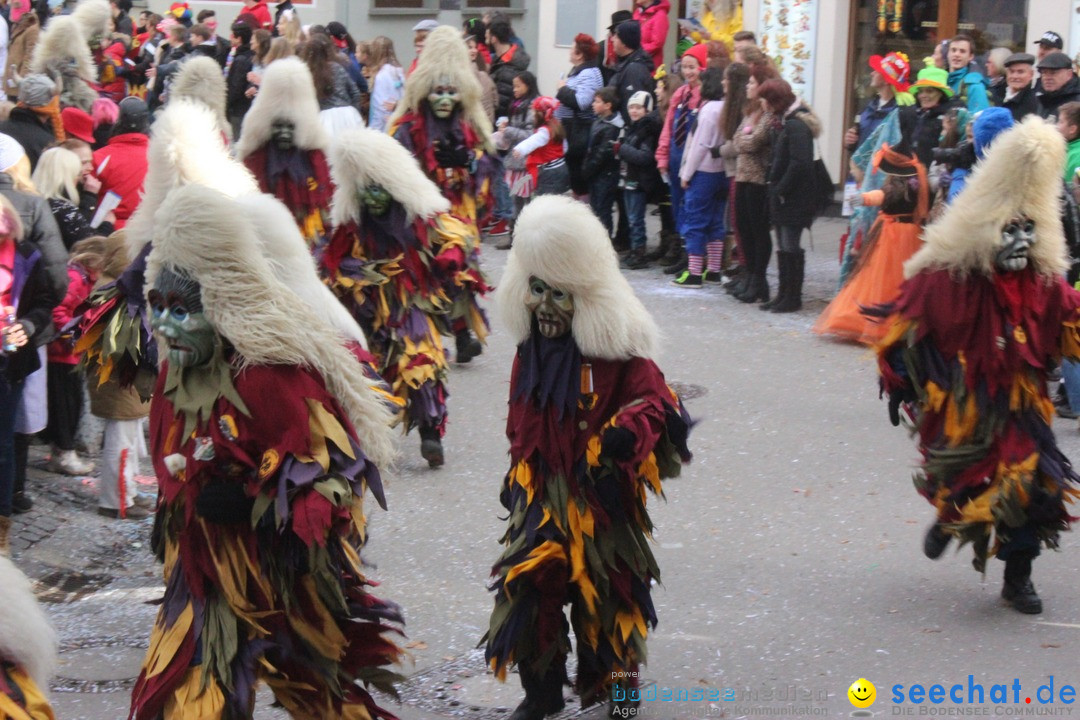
{"x": 790, "y": 548}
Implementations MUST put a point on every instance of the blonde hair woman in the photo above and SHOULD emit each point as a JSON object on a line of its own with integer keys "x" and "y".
{"x": 57, "y": 179}
{"x": 290, "y": 29}
{"x": 388, "y": 81}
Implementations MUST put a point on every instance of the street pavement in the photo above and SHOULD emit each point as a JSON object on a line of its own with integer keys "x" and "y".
{"x": 790, "y": 547}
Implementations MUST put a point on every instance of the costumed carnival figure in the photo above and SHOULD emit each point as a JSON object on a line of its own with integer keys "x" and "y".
{"x": 592, "y": 426}
{"x": 27, "y": 649}
{"x": 63, "y": 51}
{"x": 200, "y": 80}
{"x": 394, "y": 257}
{"x": 904, "y": 201}
{"x": 984, "y": 314}
{"x": 265, "y": 436}
{"x": 441, "y": 121}
{"x": 283, "y": 144}
{"x": 187, "y": 147}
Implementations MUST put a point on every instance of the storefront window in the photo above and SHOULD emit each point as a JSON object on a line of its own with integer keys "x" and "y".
{"x": 994, "y": 23}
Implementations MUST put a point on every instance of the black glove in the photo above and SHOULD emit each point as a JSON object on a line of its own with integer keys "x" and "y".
{"x": 618, "y": 444}
{"x": 715, "y": 152}
{"x": 451, "y": 157}
{"x": 224, "y": 503}
{"x": 897, "y": 397}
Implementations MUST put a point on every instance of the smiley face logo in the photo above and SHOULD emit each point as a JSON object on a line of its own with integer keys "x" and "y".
{"x": 862, "y": 693}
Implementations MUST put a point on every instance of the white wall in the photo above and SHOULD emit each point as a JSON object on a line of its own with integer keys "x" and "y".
{"x": 322, "y": 12}
{"x": 551, "y": 60}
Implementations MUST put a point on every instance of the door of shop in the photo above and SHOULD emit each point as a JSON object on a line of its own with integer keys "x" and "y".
{"x": 914, "y": 27}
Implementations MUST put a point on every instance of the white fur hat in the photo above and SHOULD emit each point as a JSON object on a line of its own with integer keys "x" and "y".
{"x": 93, "y": 17}
{"x": 560, "y": 241}
{"x": 200, "y": 79}
{"x": 265, "y": 320}
{"x": 362, "y": 157}
{"x": 26, "y": 638}
{"x": 1020, "y": 174}
{"x": 287, "y": 92}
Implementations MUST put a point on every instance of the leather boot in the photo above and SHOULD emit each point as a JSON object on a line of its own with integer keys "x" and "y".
{"x": 543, "y": 695}
{"x": 783, "y": 267}
{"x": 666, "y": 241}
{"x": 681, "y": 262}
{"x": 467, "y": 346}
{"x": 1018, "y": 590}
{"x": 674, "y": 251}
{"x": 757, "y": 290}
{"x": 793, "y": 299}
{"x": 5, "y": 536}
{"x": 431, "y": 448}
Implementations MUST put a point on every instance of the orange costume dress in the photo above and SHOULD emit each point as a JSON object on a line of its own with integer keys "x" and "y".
{"x": 895, "y": 237}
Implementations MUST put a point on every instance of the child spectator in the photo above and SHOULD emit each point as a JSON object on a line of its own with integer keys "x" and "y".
{"x": 601, "y": 167}
{"x": 704, "y": 185}
{"x": 544, "y": 151}
{"x": 65, "y": 394}
{"x": 640, "y": 177}
{"x": 123, "y": 412}
{"x": 516, "y": 127}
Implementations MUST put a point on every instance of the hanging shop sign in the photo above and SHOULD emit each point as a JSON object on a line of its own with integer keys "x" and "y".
{"x": 789, "y": 37}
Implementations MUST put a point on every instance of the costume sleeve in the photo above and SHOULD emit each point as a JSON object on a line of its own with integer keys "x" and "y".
{"x": 643, "y": 412}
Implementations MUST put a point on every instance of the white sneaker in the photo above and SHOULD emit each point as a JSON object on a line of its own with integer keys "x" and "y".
{"x": 67, "y": 462}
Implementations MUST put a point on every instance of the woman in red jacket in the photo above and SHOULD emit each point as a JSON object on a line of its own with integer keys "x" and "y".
{"x": 652, "y": 15}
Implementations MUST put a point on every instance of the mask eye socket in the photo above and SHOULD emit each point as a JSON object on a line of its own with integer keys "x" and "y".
{"x": 157, "y": 307}
{"x": 558, "y": 295}
{"x": 1029, "y": 226}
{"x": 1011, "y": 228}
{"x": 537, "y": 288}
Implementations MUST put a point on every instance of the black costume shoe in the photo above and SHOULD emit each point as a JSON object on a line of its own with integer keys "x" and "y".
{"x": 935, "y": 541}
{"x": 467, "y": 346}
{"x": 543, "y": 696}
{"x": 431, "y": 447}
{"x": 21, "y": 503}
{"x": 1018, "y": 590}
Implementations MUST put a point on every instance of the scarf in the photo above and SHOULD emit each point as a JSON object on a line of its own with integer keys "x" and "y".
{"x": 550, "y": 372}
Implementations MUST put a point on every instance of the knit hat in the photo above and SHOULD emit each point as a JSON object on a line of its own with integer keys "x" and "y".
{"x": 699, "y": 52}
{"x": 894, "y": 67}
{"x": 36, "y": 90}
{"x": 134, "y": 117}
{"x": 10, "y": 152}
{"x": 932, "y": 77}
{"x": 990, "y": 123}
{"x": 546, "y": 106}
{"x": 643, "y": 99}
{"x": 629, "y": 33}
{"x": 78, "y": 124}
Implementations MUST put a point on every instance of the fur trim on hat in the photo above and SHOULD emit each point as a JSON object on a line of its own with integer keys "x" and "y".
{"x": 265, "y": 320}
{"x": 561, "y": 242}
{"x": 61, "y": 43}
{"x": 26, "y": 637}
{"x": 1021, "y": 173}
{"x": 362, "y": 157}
{"x": 287, "y": 92}
{"x": 93, "y": 17}
{"x": 186, "y": 148}
{"x": 445, "y": 60}
{"x": 200, "y": 79}
{"x": 284, "y": 247}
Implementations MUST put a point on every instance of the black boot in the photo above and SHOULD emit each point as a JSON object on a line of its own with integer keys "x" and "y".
{"x": 757, "y": 290}
{"x": 1018, "y": 590}
{"x": 681, "y": 262}
{"x": 738, "y": 285}
{"x": 935, "y": 541}
{"x": 666, "y": 241}
{"x": 20, "y": 501}
{"x": 467, "y": 346}
{"x": 543, "y": 695}
{"x": 783, "y": 268}
{"x": 431, "y": 446}
{"x": 674, "y": 251}
{"x": 793, "y": 298}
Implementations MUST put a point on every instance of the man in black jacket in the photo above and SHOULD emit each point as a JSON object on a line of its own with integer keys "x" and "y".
{"x": 31, "y": 128}
{"x": 507, "y": 60}
{"x": 237, "y": 100}
{"x": 1020, "y": 96}
{"x": 634, "y": 70}
{"x": 1060, "y": 84}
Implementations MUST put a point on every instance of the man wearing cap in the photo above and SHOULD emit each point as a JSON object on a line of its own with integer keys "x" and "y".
{"x": 1020, "y": 96}
{"x": 35, "y": 122}
{"x": 634, "y": 71}
{"x": 607, "y": 51}
{"x": 1048, "y": 43}
{"x": 1059, "y": 83}
{"x": 965, "y": 82}
{"x": 889, "y": 76}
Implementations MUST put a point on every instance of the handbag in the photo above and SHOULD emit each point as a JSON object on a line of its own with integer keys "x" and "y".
{"x": 824, "y": 189}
